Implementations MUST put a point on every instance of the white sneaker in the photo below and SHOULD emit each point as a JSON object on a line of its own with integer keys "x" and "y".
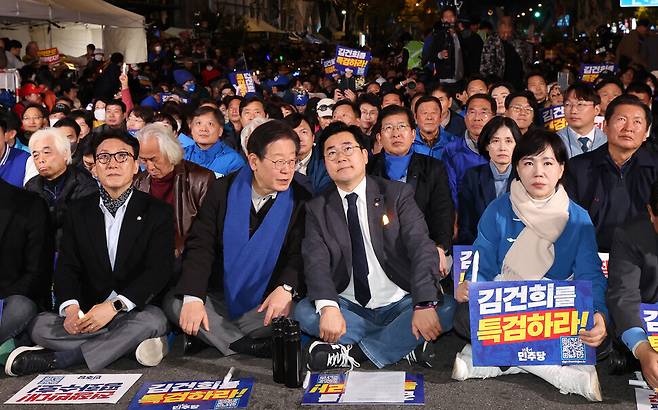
{"x": 464, "y": 369}
{"x": 151, "y": 351}
{"x": 577, "y": 379}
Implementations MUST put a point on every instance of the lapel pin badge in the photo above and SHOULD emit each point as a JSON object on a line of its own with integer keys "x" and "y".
{"x": 139, "y": 218}
{"x": 385, "y": 220}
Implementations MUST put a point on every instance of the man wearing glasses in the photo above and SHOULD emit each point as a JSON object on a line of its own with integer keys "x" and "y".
{"x": 581, "y": 106}
{"x": 370, "y": 266}
{"x": 242, "y": 264}
{"x": 462, "y": 154}
{"x": 425, "y": 174}
{"x": 112, "y": 265}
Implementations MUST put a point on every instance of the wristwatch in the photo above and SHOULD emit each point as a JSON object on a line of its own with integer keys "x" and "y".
{"x": 290, "y": 289}
{"x": 118, "y": 305}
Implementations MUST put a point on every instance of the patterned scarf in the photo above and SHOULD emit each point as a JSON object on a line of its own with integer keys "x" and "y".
{"x": 111, "y": 204}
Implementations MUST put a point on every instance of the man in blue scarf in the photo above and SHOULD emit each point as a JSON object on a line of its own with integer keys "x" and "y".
{"x": 425, "y": 174}
{"x": 243, "y": 265}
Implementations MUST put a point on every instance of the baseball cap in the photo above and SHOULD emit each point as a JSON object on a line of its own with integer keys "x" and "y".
{"x": 325, "y": 107}
{"x": 30, "y": 88}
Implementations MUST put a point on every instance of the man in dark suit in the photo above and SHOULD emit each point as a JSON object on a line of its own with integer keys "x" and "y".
{"x": 116, "y": 257}
{"x": 26, "y": 259}
{"x": 242, "y": 263}
{"x": 374, "y": 296}
{"x": 613, "y": 181}
{"x": 426, "y": 175}
{"x": 632, "y": 280}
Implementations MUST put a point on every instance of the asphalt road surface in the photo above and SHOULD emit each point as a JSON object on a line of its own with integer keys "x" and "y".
{"x": 515, "y": 392}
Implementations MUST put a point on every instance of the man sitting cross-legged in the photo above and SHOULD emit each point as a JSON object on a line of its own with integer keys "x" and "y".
{"x": 116, "y": 257}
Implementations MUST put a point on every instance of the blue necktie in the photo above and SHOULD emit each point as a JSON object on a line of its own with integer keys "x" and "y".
{"x": 359, "y": 259}
{"x": 583, "y": 141}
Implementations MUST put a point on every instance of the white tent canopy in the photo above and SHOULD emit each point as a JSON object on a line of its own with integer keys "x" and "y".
{"x": 82, "y": 21}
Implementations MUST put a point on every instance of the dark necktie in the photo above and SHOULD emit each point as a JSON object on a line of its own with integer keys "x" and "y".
{"x": 583, "y": 141}
{"x": 359, "y": 259}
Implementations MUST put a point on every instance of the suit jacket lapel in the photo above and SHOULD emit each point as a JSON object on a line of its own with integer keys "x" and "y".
{"x": 7, "y": 210}
{"x": 131, "y": 227}
{"x": 337, "y": 223}
{"x": 376, "y": 211}
{"x": 413, "y": 171}
{"x": 488, "y": 185}
{"x": 97, "y": 238}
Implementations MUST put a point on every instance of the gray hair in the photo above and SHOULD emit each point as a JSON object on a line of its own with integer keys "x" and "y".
{"x": 62, "y": 144}
{"x": 249, "y": 129}
{"x": 167, "y": 141}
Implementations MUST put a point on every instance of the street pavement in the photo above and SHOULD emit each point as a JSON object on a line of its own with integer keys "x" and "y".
{"x": 515, "y": 392}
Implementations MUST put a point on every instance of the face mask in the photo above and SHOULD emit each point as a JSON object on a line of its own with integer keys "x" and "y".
{"x": 180, "y": 124}
{"x": 158, "y": 49}
{"x": 209, "y": 67}
{"x": 52, "y": 121}
{"x": 177, "y": 52}
{"x": 98, "y": 57}
{"x": 74, "y": 146}
{"x": 190, "y": 88}
{"x": 99, "y": 114}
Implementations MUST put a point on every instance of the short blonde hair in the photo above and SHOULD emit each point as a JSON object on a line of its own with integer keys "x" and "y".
{"x": 168, "y": 143}
{"x": 62, "y": 144}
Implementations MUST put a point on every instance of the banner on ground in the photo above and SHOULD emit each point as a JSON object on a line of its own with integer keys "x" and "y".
{"x": 519, "y": 323}
{"x": 646, "y": 399}
{"x": 75, "y": 389}
{"x": 590, "y": 72}
{"x": 193, "y": 394}
{"x": 328, "y": 389}
{"x": 243, "y": 82}
{"x": 352, "y": 58}
{"x": 49, "y": 56}
{"x": 553, "y": 118}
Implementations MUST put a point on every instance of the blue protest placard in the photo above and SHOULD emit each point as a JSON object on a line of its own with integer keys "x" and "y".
{"x": 352, "y": 58}
{"x": 649, "y": 314}
{"x": 193, "y": 394}
{"x": 329, "y": 67}
{"x": 521, "y": 323}
{"x": 328, "y": 389}
{"x": 553, "y": 118}
{"x": 243, "y": 82}
{"x": 590, "y": 72}
{"x": 462, "y": 257}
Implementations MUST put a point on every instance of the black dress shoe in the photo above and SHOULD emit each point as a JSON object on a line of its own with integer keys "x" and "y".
{"x": 29, "y": 360}
{"x": 621, "y": 360}
{"x": 254, "y": 347}
{"x": 185, "y": 345}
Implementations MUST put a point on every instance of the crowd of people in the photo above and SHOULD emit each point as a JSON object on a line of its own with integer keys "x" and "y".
{"x": 141, "y": 200}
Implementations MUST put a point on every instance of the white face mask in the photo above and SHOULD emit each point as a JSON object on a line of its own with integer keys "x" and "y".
{"x": 209, "y": 67}
{"x": 180, "y": 124}
{"x": 98, "y": 57}
{"x": 52, "y": 121}
{"x": 158, "y": 49}
{"x": 99, "y": 114}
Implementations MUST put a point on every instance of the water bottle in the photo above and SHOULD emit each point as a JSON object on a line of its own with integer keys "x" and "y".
{"x": 293, "y": 353}
{"x": 278, "y": 350}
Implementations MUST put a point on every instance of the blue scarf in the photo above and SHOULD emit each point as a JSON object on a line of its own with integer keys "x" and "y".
{"x": 396, "y": 167}
{"x": 249, "y": 262}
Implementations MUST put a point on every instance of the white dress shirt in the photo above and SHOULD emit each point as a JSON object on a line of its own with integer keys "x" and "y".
{"x": 589, "y": 136}
{"x": 112, "y": 232}
{"x": 302, "y": 165}
{"x": 383, "y": 291}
